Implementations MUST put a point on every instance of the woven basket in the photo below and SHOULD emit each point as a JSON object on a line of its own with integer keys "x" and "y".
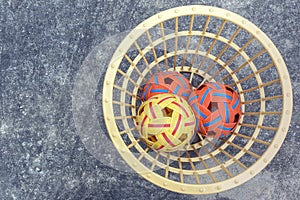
{"x": 205, "y": 44}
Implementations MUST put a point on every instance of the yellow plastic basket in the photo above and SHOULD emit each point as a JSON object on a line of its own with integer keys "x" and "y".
{"x": 205, "y": 44}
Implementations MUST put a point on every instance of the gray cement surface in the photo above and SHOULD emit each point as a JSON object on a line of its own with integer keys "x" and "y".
{"x": 42, "y": 47}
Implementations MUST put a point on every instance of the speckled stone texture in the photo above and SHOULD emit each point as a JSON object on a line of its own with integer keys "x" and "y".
{"x": 43, "y": 45}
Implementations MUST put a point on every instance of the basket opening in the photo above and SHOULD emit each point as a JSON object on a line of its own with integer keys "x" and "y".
{"x": 202, "y": 48}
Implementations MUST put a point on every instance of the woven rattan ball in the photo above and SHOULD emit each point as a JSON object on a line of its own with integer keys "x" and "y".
{"x": 166, "y": 122}
{"x": 167, "y": 82}
{"x": 217, "y": 109}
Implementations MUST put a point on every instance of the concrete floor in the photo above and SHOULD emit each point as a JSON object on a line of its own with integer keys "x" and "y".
{"x": 43, "y": 45}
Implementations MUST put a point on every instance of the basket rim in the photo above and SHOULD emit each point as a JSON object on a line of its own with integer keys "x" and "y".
{"x": 287, "y": 103}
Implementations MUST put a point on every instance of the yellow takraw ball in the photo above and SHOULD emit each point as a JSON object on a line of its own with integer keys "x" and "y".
{"x": 166, "y": 122}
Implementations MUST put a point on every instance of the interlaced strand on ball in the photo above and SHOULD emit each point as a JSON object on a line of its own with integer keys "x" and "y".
{"x": 167, "y": 82}
{"x": 166, "y": 122}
